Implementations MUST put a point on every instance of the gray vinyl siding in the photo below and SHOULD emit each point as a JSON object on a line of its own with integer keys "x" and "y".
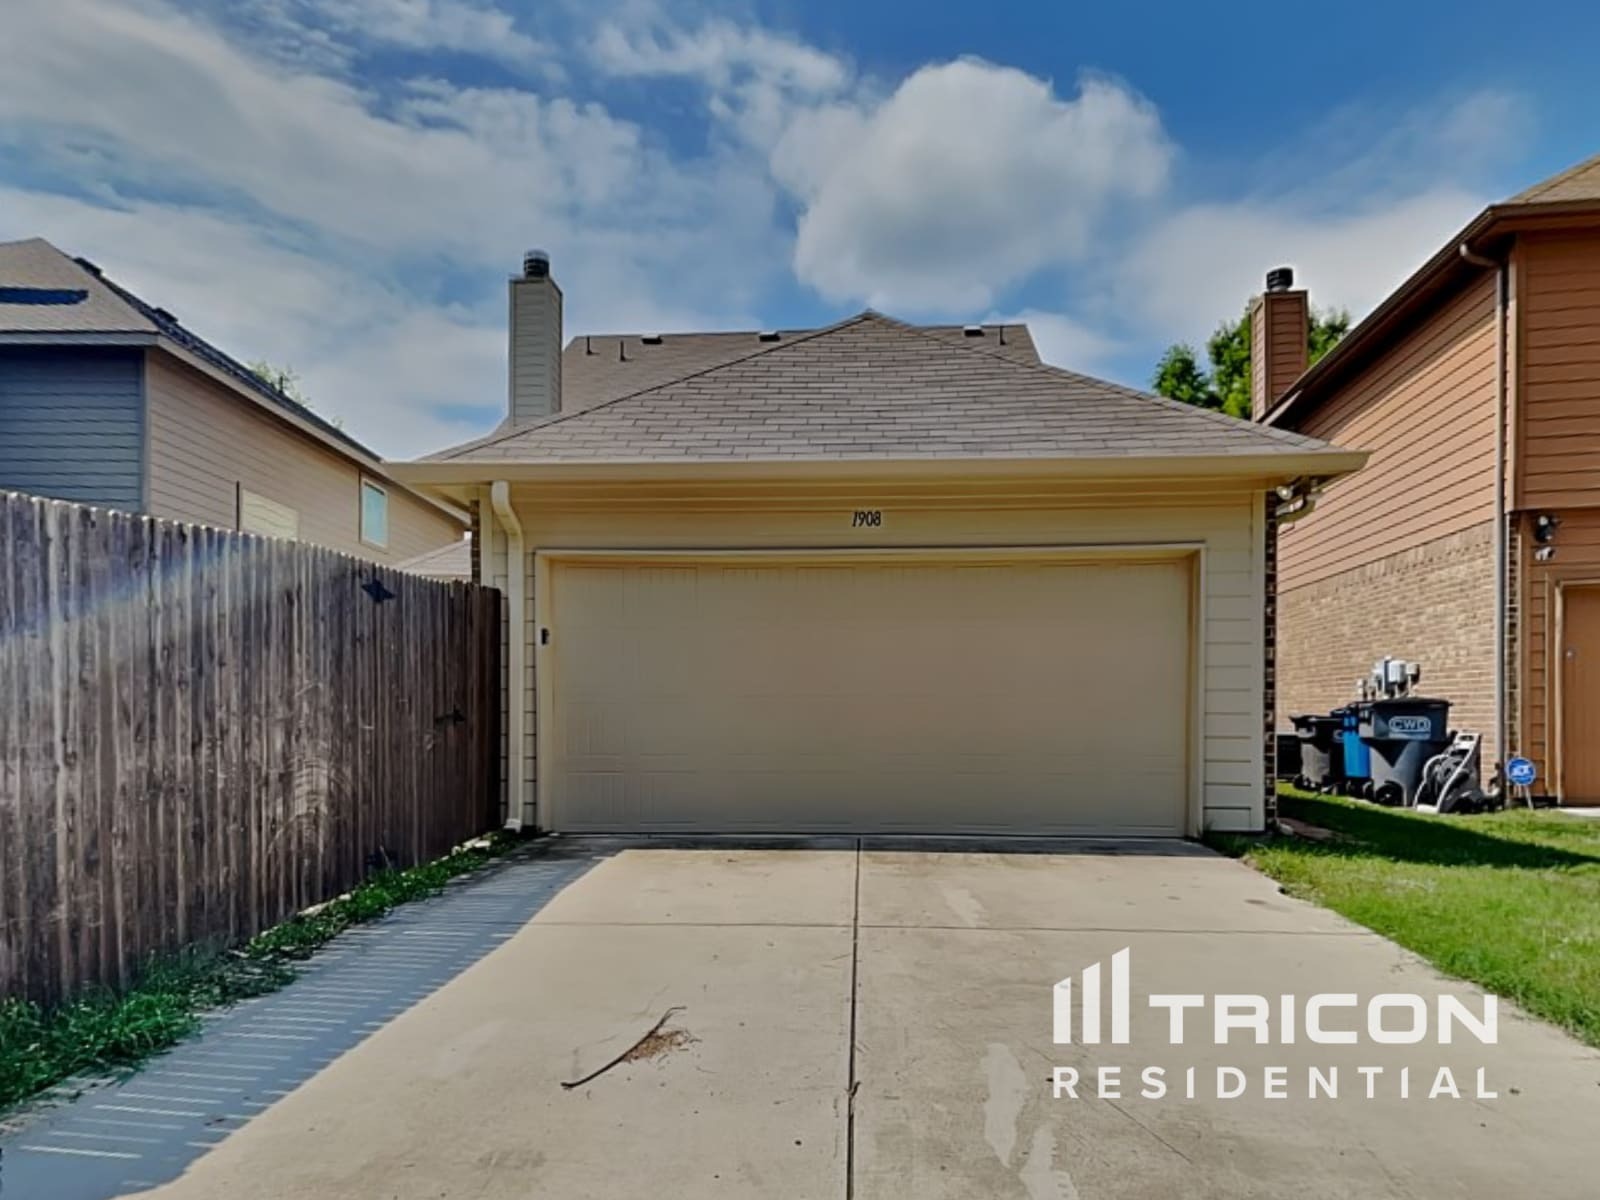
{"x": 72, "y": 424}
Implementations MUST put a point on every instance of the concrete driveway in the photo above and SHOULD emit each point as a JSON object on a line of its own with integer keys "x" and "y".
{"x": 871, "y": 1021}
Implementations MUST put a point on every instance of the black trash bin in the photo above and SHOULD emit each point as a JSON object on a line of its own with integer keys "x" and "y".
{"x": 1288, "y": 755}
{"x": 1321, "y": 751}
{"x": 1403, "y": 734}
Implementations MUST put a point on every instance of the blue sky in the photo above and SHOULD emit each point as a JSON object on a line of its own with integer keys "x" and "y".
{"x": 344, "y": 185}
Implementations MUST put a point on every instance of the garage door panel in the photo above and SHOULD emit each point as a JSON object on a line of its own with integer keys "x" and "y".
{"x": 1044, "y": 696}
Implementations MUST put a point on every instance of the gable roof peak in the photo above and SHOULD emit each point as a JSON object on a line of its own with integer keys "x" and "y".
{"x": 873, "y": 387}
{"x": 1581, "y": 181}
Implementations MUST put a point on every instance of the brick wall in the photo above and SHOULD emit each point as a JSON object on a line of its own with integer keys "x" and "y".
{"x": 1269, "y": 658}
{"x": 1432, "y": 604}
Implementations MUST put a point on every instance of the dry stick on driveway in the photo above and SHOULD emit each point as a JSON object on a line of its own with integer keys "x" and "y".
{"x": 626, "y": 1054}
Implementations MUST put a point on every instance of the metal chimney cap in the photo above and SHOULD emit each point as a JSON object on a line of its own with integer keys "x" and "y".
{"x": 1280, "y": 279}
{"x": 536, "y": 264}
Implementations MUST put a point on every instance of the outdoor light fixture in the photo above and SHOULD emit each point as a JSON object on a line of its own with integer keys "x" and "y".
{"x": 1544, "y": 527}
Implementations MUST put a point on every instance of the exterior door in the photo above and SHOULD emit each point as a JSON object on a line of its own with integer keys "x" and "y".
{"x": 784, "y": 695}
{"x": 1580, "y": 695}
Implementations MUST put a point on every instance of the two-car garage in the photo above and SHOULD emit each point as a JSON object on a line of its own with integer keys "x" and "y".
{"x": 981, "y": 691}
{"x": 873, "y": 578}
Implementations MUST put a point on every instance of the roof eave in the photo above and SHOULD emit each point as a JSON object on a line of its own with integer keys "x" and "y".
{"x": 345, "y": 447}
{"x": 1498, "y": 220}
{"x": 1265, "y": 468}
{"x": 76, "y": 337}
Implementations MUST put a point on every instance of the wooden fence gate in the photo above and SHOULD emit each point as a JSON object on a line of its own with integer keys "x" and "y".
{"x": 203, "y": 732}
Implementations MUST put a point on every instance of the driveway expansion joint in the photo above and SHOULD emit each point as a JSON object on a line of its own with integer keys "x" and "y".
{"x": 852, "y": 1083}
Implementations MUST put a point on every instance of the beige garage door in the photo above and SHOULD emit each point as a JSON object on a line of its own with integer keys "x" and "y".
{"x": 957, "y": 696}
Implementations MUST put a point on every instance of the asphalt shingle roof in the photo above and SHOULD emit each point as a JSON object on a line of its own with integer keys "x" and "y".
{"x": 874, "y": 388}
{"x": 109, "y": 308}
{"x": 597, "y": 368}
{"x": 1579, "y": 182}
{"x": 35, "y": 263}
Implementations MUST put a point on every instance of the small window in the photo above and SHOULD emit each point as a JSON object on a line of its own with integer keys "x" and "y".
{"x": 374, "y": 514}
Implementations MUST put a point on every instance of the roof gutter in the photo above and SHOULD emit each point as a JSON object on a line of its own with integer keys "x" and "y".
{"x": 1495, "y": 221}
{"x": 1278, "y": 467}
{"x": 516, "y": 652}
{"x": 1502, "y": 566}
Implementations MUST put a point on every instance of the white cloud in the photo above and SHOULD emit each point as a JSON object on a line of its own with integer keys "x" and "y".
{"x": 174, "y": 102}
{"x": 367, "y": 353}
{"x": 1062, "y": 340}
{"x": 433, "y": 25}
{"x": 287, "y": 211}
{"x": 929, "y": 197}
{"x": 1200, "y": 265}
{"x": 756, "y": 79}
{"x": 719, "y": 54}
{"x": 968, "y": 178}
{"x": 330, "y": 34}
{"x": 1355, "y": 205}
{"x": 254, "y": 176}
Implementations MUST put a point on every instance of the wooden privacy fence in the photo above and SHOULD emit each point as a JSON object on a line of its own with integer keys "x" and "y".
{"x": 203, "y": 732}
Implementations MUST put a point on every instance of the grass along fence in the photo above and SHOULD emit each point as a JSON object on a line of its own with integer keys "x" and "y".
{"x": 203, "y": 732}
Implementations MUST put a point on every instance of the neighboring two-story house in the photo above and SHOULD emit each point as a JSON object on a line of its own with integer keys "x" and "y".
{"x": 108, "y": 400}
{"x": 1471, "y": 541}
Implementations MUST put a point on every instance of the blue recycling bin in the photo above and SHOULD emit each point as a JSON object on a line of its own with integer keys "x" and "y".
{"x": 1357, "y": 754}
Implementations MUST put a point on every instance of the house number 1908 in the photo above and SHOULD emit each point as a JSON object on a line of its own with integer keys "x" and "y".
{"x": 866, "y": 518}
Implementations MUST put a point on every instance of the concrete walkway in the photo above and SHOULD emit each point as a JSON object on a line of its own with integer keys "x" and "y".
{"x": 95, "y": 1140}
{"x": 874, "y": 1021}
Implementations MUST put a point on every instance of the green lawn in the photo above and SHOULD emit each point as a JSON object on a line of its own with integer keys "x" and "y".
{"x": 1509, "y": 901}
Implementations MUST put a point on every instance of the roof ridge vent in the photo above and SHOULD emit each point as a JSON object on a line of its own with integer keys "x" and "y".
{"x": 768, "y": 335}
{"x": 972, "y": 330}
{"x": 650, "y": 339}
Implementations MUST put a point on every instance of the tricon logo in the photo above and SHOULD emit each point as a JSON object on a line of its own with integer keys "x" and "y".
{"x": 1083, "y": 1013}
{"x": 1089, "y": 1004}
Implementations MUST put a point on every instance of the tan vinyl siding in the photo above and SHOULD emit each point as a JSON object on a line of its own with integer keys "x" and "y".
{"x": 205, "y": 442}
{"x": 1559, "y": 342}
{"x": 1426, "y": 411}
{"x": 1229, "y": 527}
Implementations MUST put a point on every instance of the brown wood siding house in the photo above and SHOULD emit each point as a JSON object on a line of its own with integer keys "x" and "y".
{"x": 106, "y": 400}
{"x": 1488, "y": 354}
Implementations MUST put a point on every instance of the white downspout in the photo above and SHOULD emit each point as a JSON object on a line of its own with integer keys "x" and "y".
{"x": 1502, "y": 555}
{"x": 516, "y": 652}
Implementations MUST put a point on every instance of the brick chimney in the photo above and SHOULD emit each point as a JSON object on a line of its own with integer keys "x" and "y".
{"x": 1280, "y": 329}
{"x": 535, "y": 350}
